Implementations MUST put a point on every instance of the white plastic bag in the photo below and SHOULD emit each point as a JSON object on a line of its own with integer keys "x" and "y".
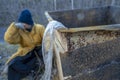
{"x": 47, "y": 47}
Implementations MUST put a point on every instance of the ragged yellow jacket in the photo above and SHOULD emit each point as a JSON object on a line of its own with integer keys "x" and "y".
{"x": 26, "y": 40}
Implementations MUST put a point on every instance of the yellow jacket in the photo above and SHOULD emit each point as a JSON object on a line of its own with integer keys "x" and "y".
{"x": 26, "y": 40}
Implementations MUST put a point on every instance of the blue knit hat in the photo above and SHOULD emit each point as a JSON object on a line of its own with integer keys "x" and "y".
{"x": 26, "y": 17}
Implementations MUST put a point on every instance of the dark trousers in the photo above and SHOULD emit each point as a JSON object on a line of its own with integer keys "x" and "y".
{"x": 21, "y": 66}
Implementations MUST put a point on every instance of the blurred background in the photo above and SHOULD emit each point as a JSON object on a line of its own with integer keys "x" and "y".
{"x": 10, "y": 9}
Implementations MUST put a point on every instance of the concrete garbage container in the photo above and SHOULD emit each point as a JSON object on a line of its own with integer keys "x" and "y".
{"x": 93, "y": 41}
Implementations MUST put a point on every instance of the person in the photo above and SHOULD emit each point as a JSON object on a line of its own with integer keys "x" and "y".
{"x": 28, "y": 35}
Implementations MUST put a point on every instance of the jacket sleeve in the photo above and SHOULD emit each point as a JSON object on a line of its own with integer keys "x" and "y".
{"x": 42, "y": 30}
{"x": 12, "y": 35}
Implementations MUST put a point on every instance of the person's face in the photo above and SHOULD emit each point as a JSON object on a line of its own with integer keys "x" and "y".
{"x": 27, "y": 26}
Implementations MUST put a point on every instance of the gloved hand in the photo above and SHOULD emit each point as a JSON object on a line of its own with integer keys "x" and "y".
{"x": 19, "y": 25}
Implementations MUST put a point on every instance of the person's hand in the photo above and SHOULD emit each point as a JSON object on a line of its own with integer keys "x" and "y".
{"x": 19, "y": 25}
